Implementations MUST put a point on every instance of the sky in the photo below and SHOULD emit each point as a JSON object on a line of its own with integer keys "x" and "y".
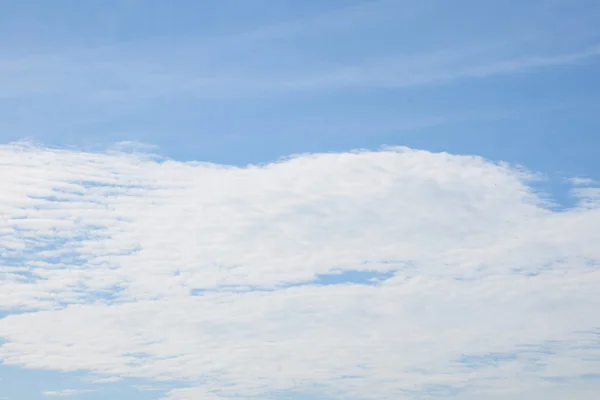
{"x": 299, "y": 200}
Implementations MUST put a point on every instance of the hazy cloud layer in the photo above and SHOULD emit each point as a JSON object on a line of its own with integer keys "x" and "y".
{"x": 127, "y": 265}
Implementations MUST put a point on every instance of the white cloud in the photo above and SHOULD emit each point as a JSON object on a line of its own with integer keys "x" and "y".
{"x": 101, "y": 253}
{"x": 107, "y": 379}
{"x": 579, "y": 181}
{"x": 64, "y": 393}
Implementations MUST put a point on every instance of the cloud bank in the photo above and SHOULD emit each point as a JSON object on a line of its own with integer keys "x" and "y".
{"x": 464, "y": 281}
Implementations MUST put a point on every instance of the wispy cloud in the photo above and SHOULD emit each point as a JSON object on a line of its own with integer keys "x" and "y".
{"x": 580, "y": 181}
{"x": 292, "y": 57}
{"x": 129, "y": 265}
{"x": 429, "y": 69}
{"x": 124, "y": 80}
{"x": 65, "y": 392}
{"x": 97, "y": 379}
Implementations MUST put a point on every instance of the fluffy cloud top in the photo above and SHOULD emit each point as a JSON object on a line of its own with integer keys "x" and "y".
{"x": 127, "y": 265}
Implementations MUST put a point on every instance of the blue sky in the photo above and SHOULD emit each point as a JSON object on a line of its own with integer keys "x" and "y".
{"x": 212, "y": 80}
{"x": 253, "y": 82}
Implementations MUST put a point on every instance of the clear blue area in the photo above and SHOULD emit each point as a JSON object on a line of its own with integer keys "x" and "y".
{"x": 347, "y": 277}
{"x": 353, "y": 277}
{"x": 20, "y": 384}
{"x": 251, "y": 81}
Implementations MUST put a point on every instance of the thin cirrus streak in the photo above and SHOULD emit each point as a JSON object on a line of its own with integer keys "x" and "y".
{"x": 64, "y": 393}
{"x": 207, "y": 276}
{"x": 435, "y": 69}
